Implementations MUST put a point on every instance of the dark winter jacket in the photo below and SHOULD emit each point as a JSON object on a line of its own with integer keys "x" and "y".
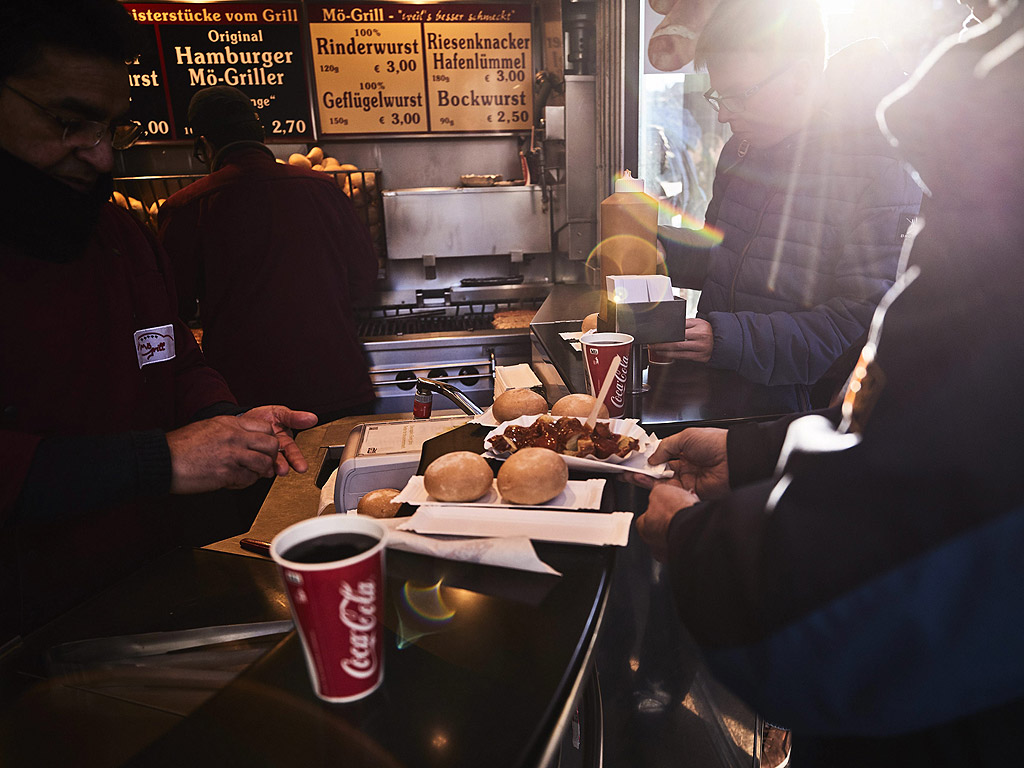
{"x": 275, "y": 255}
{"x": 94, "y": 369}
{"x": 811, "y": 233}
{"x": 869, "y": 596}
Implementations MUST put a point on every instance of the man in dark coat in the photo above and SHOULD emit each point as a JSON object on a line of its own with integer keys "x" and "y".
{"x": 275, "y": 256}
{"x": 859, "y": 578}
{"x": 106, "y": 404}
{"x": 810, "y": 203}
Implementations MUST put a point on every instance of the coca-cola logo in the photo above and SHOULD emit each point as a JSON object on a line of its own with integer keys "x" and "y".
{"x": 619, "y": 388}
{"x": 358, "y": 612}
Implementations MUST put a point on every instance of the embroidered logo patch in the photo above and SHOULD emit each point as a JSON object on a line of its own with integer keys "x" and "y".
{"x": 154, "y": 345}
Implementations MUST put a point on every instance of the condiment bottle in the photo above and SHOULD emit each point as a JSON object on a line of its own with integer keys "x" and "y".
{"x": 629, "y": 230}
{"x": 422, "y": 404}
{"x": 629, "y": 234}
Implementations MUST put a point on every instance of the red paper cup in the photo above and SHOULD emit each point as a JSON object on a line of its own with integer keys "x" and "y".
{"x": 333, "y": 569}
{"x": 598, "y": 351}
{"x": 655, "y": 359}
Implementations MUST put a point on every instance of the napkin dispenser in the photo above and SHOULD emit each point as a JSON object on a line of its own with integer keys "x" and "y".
{"x": 384, "y": 454}
{"x": 644, "y": 307}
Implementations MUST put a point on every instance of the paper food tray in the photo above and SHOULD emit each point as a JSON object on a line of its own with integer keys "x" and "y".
{"x": 634, "y": 462}
{"x": 593, "y": 528}
{"x": 578, "y": 494}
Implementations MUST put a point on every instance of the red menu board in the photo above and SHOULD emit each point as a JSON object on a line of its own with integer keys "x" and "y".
{"x": 256, "y": 47}
{"x": 391, "y": 68}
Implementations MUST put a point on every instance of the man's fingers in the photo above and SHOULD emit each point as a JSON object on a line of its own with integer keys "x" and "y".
{"x": 255, "y": 425}
{"x": 290, "y": 456}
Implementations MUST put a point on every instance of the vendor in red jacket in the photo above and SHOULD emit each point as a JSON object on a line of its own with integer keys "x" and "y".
{"x": 275, "y": 256}
{"x": 106, "y": 404}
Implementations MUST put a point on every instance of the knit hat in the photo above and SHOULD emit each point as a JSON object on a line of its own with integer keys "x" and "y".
{"x": 219, "y": 109}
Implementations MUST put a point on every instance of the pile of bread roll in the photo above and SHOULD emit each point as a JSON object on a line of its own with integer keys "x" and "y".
{"x": 138, "y": 209}
{"x": 360, "y": 186}
{"x": 529, "y": 476}
{"x": 513, "y": 403}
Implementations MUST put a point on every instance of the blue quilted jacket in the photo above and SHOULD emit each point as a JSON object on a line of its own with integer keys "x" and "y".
{"x": 812, "y": 231}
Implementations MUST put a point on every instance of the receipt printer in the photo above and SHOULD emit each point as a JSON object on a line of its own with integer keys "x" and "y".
{"x": 384, "y": 454}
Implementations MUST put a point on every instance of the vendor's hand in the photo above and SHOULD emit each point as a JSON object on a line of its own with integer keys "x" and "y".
{"x": 700, "y": 340}
{"x": 283, "y": 420}
{"x": 222, "y": 452}
{"x": 698, "y": 458}
{"x": 666, "y": 499}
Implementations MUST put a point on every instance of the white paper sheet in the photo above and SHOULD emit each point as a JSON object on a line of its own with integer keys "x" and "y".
{"x": 578, "y": 494}
{"x": 506, "y": 552}
{"x": 593, "y": 528}
{"x": 572, "y": 338}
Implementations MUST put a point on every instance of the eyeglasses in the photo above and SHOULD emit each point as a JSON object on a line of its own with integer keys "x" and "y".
{"x": 737, "y": 104}
{"x": 85, "y": 134}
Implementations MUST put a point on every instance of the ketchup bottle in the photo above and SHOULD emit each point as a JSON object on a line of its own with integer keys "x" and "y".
{"x": 422, "y": 404}
{"x": 629, "y": 230}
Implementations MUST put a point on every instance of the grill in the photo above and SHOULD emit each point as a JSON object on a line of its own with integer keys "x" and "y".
{"x": 409, "y": 324}
{"x": 455, "y": 343}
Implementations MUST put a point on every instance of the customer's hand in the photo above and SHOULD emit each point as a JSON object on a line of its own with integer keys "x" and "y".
{"x": 283, "y": 420}
{"x": 236, "y": 451}
{"x": 222, "y": 452}
{"x": 698, "y": 458}
{"x": 666, "y": 499}
{"x": 700, "y": 340}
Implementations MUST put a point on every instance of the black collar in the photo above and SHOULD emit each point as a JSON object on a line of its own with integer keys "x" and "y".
{"x": 237, "y": 146}
{"x": 46, "y": 218}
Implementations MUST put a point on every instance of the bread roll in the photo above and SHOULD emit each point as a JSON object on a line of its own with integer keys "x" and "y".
{"x": 532, "y": 476}
{"x": 315, "y": 155}
{"x": 458, "y": 476}
{"x": 513, "y": 403}
{"x": 138, "y": 210}
{"x": 379, "y": 503}
{"x": 589, "y": 323}
{"x": 578, "y": 406}
{"x": 300, "y": 160}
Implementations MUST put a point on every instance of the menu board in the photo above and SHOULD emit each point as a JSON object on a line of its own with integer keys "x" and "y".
{"x": 390, "y": 68}
{"x": 256, "y": 47}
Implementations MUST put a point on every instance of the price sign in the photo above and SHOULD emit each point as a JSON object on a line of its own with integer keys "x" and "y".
{"x": 390, "y": 68}
{"x": 479, "y": 72}
{"x": 254, "y": 47}
{"x": 368, "y": 65}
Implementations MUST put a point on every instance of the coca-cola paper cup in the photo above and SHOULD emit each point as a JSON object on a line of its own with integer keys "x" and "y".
{"x": 654, "y": 358}
{"x": 333, "y": 569}
{"x": 599, "y": 348}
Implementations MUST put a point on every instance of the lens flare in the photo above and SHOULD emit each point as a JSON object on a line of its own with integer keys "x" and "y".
{"x": 422, "y": 611}
{"x": 689, "y": 228}
{"x": 620, "y": 244}
{"x": 427, "y": 602}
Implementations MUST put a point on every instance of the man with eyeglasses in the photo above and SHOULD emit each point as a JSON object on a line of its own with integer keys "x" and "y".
{"x": 859, "y": 577}
{"x": 107, "y": 407}
{"x": 811, "y": 204}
